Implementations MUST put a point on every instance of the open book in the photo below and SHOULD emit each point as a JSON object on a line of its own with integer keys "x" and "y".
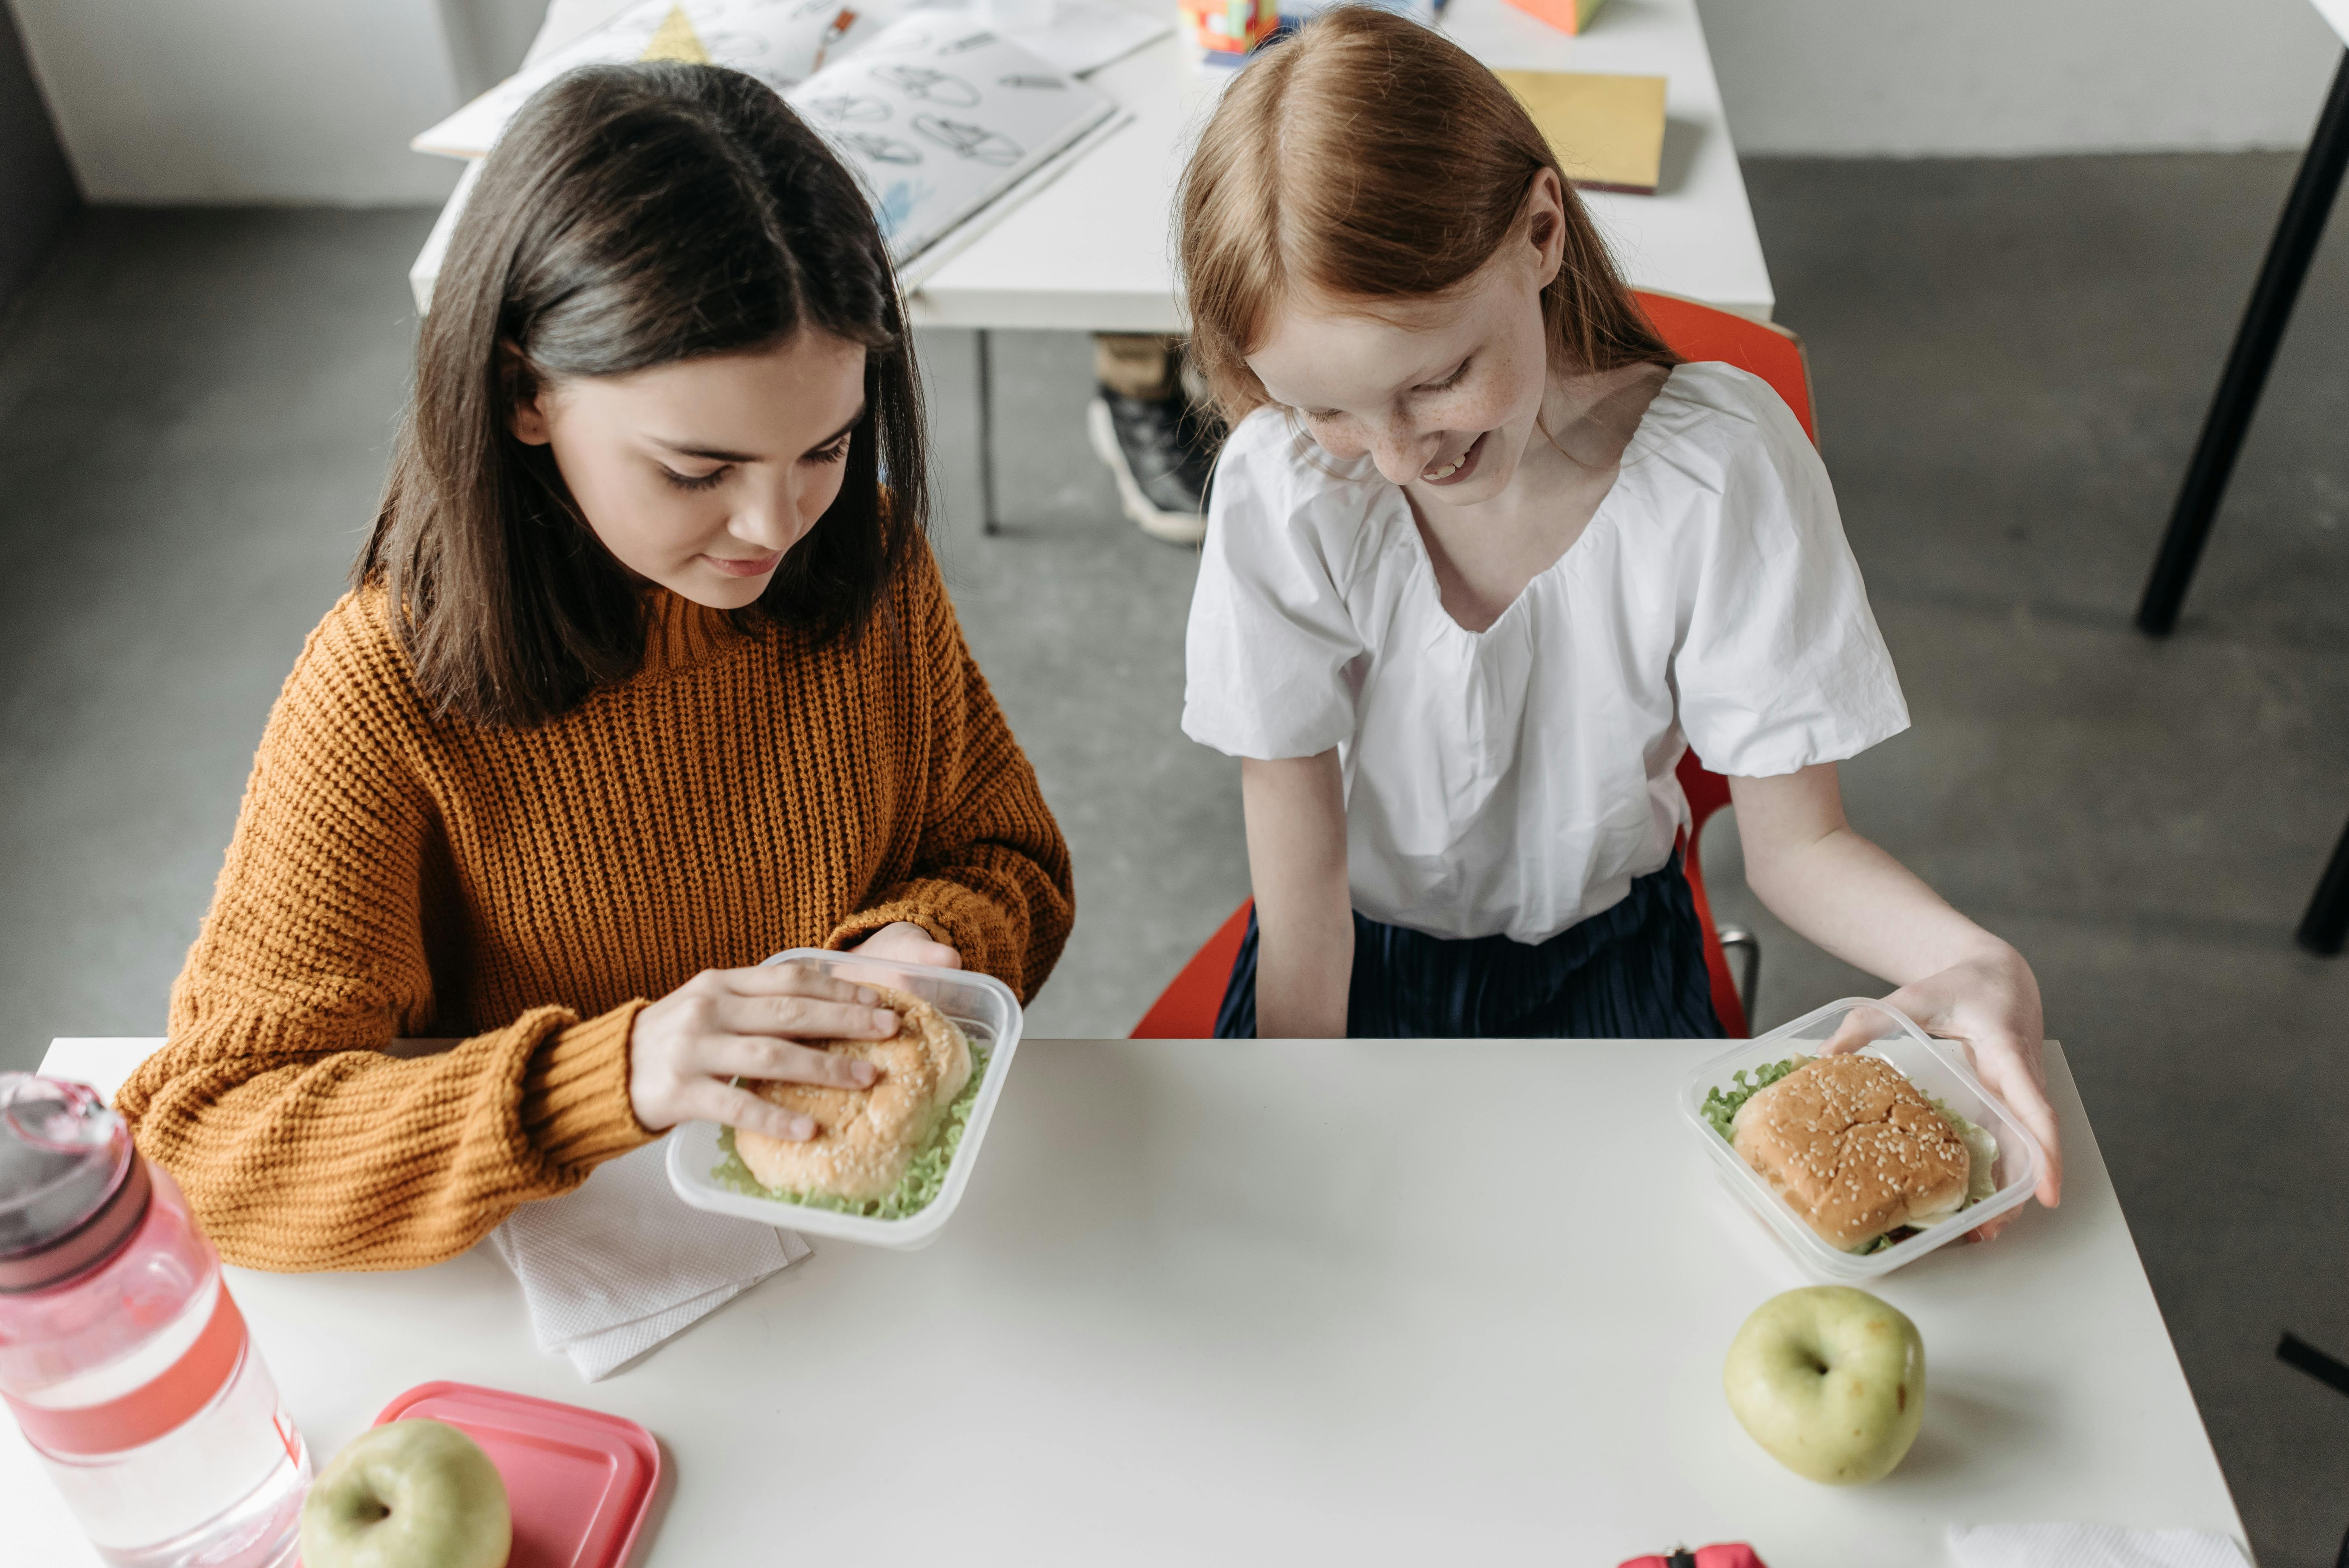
{"x": 941, "y": 118}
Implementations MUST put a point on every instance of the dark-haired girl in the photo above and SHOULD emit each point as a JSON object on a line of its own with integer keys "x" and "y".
{"x": 646, "y": 674}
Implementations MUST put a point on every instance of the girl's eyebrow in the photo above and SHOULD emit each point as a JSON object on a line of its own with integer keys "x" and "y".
{"x": 719, "y": 454}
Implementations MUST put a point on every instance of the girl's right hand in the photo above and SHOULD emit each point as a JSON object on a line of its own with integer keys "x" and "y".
{"x": 725, "y": 1024}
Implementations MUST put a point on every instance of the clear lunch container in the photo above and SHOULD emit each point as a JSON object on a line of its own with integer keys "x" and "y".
{"x": 1939, "y": 1067}
{"x": 988, "y": 1013}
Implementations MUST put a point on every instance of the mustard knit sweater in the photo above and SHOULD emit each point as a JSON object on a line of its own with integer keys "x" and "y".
{"x": 397, "y": 873}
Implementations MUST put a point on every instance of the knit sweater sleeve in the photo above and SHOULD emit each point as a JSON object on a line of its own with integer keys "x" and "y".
{"x": 301, "y": 1144}
{"x": 989, "y": 874}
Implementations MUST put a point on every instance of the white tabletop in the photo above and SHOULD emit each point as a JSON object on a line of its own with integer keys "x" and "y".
{"x": 1094, "y": 251}
{"x": 1244, "y": 1302}
{"x": 2336, "y": 12}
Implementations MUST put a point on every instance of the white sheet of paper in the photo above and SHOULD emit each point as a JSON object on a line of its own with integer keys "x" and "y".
{"x": 781, "y": 42}
{"x": 1086, "y": 34}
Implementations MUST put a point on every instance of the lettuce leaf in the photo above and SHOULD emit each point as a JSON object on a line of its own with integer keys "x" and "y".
{"x": 1721, "y": 1105}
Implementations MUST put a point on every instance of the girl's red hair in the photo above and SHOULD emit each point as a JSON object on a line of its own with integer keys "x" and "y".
{"x": 1369, "y": 157}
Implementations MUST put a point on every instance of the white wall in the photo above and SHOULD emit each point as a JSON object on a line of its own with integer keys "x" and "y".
{"x": 1862, "y": 77}
{"x": 258, "y": 100}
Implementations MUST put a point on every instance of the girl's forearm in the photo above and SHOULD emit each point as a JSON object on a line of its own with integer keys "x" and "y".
{"x": 1844, "y": 894}
{"x": 1304, "y": 908}
{"x": 1840, "y": 891}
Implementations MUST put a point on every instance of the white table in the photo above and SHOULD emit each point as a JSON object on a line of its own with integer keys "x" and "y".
{"x": 1203, "y": 1303}
{"x": 1094, "y": 250}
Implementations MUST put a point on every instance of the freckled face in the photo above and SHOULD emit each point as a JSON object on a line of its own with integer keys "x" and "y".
{"x": 1442, "y": 393}
{"x": 701, "y": 475}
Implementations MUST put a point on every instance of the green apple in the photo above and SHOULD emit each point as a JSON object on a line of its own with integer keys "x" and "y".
{"x": 407, "y": 1494}
{"x": 1830, "y": 1380}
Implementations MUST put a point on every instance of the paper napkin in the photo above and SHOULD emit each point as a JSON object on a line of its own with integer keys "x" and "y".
{"x": 2089, "y": 1546}
{"x": 619, "y": 1264}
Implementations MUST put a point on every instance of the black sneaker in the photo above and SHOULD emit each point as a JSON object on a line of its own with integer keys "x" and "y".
{"x": 1161, "y": 452}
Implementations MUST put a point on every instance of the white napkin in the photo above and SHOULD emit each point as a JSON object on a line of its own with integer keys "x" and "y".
{"x": 2090, "y": 1546}
{"x": 620, "y": 1263}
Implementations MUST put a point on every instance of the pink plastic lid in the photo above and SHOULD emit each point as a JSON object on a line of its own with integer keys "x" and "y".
{"x": 579, "y": 1482}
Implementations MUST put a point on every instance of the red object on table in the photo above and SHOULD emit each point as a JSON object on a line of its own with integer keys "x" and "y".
{"x": 579, "y": 1482}
{"x": 1736, "y": 1554}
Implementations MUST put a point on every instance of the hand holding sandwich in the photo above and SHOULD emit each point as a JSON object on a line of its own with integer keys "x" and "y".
{"x": 1955, "y": 979}
{"x": 723, "y": 1024}
{"x": 1990, "y": 1002}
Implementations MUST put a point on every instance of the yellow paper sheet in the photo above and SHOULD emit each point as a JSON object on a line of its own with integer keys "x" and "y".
{"x": 676, "y": 40}
{"x": 1606, "y": 130}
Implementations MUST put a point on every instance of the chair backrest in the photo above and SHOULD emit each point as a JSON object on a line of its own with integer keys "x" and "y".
{"x": 1696, "y": 331}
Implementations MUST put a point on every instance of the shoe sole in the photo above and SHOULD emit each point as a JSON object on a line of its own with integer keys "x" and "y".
{"x": 1172, "y": 527}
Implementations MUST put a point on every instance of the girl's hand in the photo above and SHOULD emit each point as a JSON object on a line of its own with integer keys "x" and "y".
{"x": 725, "y": 1024}
{"x": 902, "y": 941}
{"x": 1990, "y": 1003}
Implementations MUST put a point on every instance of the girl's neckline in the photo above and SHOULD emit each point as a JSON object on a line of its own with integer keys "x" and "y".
{"x": 680, "y": 634}
{"x": 1424, "y": 560}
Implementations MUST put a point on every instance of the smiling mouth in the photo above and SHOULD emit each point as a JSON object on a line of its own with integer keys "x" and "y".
{"x": 746, "y": 565}
{"x": 1459, "y": 467}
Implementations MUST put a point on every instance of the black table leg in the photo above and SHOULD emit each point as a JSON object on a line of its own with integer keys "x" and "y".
{"x": 2326, "y": 923}
{"x": 2248, "y": 361}
{"x": 987, "y": 519}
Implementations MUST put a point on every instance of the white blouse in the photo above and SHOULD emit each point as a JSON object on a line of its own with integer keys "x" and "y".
{"x": 1515, "y": 780}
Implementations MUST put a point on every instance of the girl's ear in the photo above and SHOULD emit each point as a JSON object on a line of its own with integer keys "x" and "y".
{"x": 526, "y": 398}
{"x": 1545, "y": 225}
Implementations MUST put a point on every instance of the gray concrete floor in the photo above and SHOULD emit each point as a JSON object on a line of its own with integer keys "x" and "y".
{"x": 2012, "y": 359}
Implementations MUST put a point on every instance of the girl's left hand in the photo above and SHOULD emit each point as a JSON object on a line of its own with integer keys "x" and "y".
{"x": 905, "y": 943}
{"x": 1991, "y": 1002}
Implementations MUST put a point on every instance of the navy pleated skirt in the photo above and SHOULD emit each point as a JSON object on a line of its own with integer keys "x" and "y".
{"x": 1634, "y": 971}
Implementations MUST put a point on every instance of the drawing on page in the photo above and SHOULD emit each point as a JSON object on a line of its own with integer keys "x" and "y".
{"x": 1048, "y": 84}
{"x": 965, "y": 139}
{"x": 967, "y": 42}
{"x": 925, "y": 86}
{"x": 882, "y": 148}
{"x": 849, "y": 108}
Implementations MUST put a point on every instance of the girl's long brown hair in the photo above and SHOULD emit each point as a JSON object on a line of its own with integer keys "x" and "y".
{"x": 630, "y": 216}
{"x": 1369, "y": 157}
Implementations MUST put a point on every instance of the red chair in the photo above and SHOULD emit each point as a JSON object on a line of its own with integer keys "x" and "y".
{"x": 1186, "y": 1009}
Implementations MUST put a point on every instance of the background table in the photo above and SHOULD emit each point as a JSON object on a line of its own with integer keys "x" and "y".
{"x": 1094, "y": 251}
{"x": 1399, "y": 1302}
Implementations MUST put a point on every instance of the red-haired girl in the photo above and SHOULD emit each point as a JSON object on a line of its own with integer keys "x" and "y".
{"x": 1483, "y": 559}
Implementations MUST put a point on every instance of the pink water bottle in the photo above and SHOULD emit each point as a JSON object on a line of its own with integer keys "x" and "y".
{"x": 122, "y": 1355}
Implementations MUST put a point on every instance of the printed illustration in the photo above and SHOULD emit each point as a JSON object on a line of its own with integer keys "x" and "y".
{"x": 848, "y": 109}
{"x": 938, "y": 149}
{"x": 965, "y": 139}
{"x": 882, "y": 148}
{"x": 925, "y": 86}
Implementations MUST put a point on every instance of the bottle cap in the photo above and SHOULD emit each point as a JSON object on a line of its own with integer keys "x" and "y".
{"x": 72, "y": 1188}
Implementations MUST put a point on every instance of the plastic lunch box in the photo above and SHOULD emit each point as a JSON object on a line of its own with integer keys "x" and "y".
{"x": 988, "y": 1013}
{"x": 1939, "y": 1067}
{"x": 579, "y": 1482}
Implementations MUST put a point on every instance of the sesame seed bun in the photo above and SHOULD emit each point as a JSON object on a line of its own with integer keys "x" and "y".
{"x": 865, "y": 1137}
{"x": 1855, "y": 1148}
